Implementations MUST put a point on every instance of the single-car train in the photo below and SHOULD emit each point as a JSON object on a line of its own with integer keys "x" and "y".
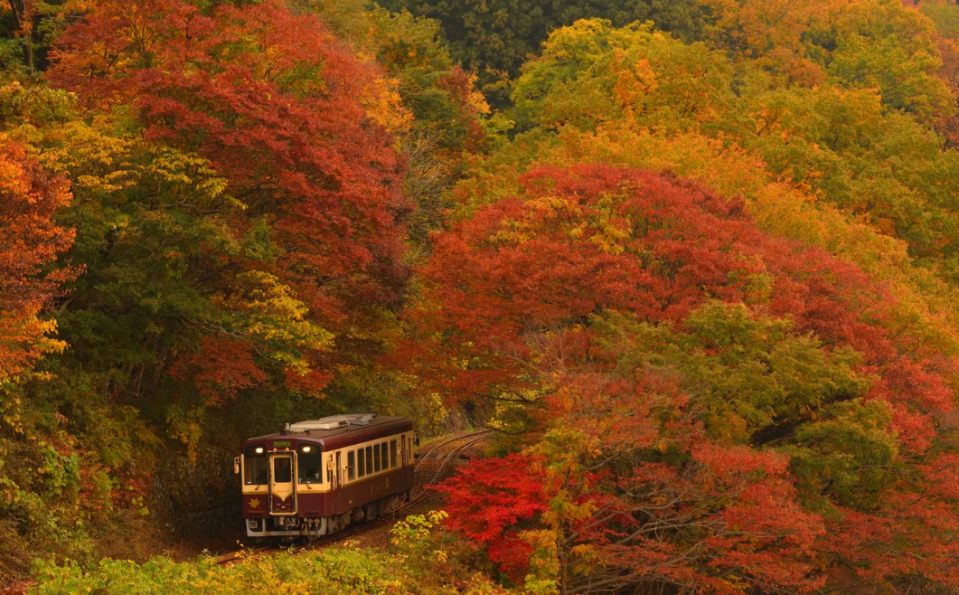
{"x": 316, "y": 477}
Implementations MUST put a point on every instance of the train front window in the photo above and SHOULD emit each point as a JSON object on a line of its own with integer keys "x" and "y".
{"x": 255, "y": 468}
{"x": 309, "y": 464}
{"x": 282, "y": 470}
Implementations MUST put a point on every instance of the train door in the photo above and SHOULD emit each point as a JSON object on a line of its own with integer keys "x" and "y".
{"x": 338, "y": 471}
{"x": 282, "y": 490}
{"x": 337, "y": 482}
{"x": 334, "y": 478}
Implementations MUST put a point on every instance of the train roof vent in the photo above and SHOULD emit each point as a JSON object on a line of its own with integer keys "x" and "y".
{"x": 332, "y": 422}
{"x": 315, "y": 424}
{"x": 361, "y": 420}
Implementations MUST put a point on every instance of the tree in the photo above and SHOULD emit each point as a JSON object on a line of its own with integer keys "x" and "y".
{"x": 841, "y": 145}
{"x": 30, "y": 241}
{"x": 773, "y": 33}
{"x": 884, "y": 46}
{"x": 496, "y": 38}
{"x": 945, "y": 17}
{"x": 29, "y": 29}
{"x": 592, "y": 72}
{"x": 490, "y": 499}
{"x": 304, "y": 209}
{"x": 448, "y": 113}
{"x": 239, "y": 217}
{"x": 680, "y": 374}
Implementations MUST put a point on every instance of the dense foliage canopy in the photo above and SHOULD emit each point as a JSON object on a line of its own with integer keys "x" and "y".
{"x": 697, "y": 268}
{"x": 497, "y": 36}
{"x": 240, "y": 210}
{"x": 685, "y": 369}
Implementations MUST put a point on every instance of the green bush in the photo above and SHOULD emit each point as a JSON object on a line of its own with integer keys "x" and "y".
{"x": 340, "y": 570}
{"x": 335, "y": 570}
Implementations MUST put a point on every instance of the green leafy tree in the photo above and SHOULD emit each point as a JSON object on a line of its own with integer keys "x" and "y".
{"x": 882, "y": 45}
{"x": 495, "y": 38}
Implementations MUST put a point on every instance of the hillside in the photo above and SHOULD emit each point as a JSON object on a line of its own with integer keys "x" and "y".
{"x": 696, "y": 263}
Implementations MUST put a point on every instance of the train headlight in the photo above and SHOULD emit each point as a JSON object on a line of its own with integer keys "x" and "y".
{"x": 259, "y": 450}
{"x": 307, "y": 449}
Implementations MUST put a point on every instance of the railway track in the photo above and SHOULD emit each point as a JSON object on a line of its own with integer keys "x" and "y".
{"x": 423, "y": 458}
{"x": 230, "y": 557}
{"x": 434, "y": 454}
{"x": 470, "y": 439}
{"x": 317, "y": 543}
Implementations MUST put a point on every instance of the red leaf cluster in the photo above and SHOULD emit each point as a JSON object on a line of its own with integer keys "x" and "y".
{"x": 493, "y": 495}
{"x": 220, "y": 368}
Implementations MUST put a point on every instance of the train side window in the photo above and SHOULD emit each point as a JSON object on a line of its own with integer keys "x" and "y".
{"x": 392, "y": 454}
{"x": 376, "y": 458}
{"x": 350, "y": 466}
{"x": 385, "y": 455}
{"x": 369, "y": 460}
{"x": 361, "y": 461}
{"x": 309, "y": 465}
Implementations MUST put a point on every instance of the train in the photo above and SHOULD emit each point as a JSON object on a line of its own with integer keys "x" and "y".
{"x": 315, "y": 477}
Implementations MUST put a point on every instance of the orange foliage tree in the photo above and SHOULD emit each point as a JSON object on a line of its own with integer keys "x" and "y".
{"x": 30, "y": 240}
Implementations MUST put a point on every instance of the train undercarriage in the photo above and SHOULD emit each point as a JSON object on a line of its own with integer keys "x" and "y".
{"x": 290, "y": 527}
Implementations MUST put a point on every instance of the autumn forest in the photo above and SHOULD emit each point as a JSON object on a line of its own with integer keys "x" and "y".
{"x": 695, "y": 263}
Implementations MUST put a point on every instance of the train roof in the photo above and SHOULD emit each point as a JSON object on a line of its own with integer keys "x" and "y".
{"x": 338, "y": 431}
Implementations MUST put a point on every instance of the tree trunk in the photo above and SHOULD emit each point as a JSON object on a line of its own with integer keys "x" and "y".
{"x": 25, "y": 26}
